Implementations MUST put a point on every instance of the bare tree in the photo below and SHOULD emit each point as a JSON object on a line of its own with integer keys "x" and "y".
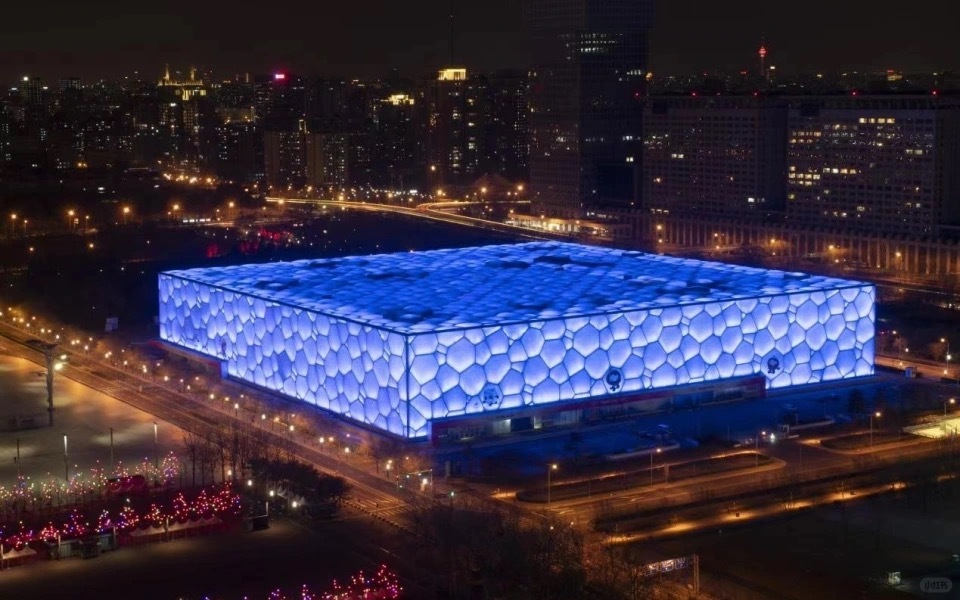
{"x": 221, "y": 440}
{"x": 207, "y": 456}
{"x": 191, "y": 447}
{"x": 384, "y": 448}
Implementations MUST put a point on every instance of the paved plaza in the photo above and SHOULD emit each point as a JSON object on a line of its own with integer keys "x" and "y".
{"x": 83, "y": 414}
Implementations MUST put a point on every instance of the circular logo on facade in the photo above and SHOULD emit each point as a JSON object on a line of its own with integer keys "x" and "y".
{"x": 773, "y": 365}
{"x": 614, "y": 380}
{"x": 490, "y": 396}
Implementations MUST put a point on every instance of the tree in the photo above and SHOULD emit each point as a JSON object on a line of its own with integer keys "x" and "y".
{"x": 384, "y": 448}
{"x": 191, "y": 447}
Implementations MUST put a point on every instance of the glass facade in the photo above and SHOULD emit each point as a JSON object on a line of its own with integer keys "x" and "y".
{"x": 586, "y": 87}
{"x": 395, "y": 341}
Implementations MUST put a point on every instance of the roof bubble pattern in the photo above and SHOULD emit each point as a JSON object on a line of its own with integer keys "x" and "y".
{"x": 494, "y": 285}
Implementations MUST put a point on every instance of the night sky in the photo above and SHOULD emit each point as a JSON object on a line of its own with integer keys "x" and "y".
{"x": 107, "y": 38}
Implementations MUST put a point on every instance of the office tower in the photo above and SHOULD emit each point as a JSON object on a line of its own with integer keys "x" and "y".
{"x": 281, "y": 95}
{"x": 456, "y": 104}
{"x": 720, "y": 155}
{"x": 398, "y": 143}
{"x": 506, "y": 133}
{"x": 589, "y": 63}
{"x": 327, "y": 99}
{"x": 886, "y": 163}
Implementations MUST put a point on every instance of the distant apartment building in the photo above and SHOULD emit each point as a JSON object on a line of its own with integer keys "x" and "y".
{"x": 886, "y": 164}
{"x": 718, "y": 155}
{"x": 284, "y": 153}
{"x": 239, "y": 152}
{"x": 327, "y": 159}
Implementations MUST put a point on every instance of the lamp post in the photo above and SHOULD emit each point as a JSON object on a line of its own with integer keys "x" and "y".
{"x": 550, "y": 469}
{"x": 756, "y": 447}
{"x": 156, "y": 455}
{"x": 66, "y": 460}
{"x": 872, "y": 416}
{"x": 951, "y": 401}
{"x": 111, "y": 451}
{"x": 659, "y": 450}
{"x": 947, "y": 356}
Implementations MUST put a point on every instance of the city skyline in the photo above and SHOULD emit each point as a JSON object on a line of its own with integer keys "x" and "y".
{"x": 110, "y": 41}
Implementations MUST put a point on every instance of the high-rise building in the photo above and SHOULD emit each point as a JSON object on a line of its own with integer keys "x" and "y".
{"x": 284, "y": 154}
{"x": 720, "y": 155}
{"x": 398, "y": 143}
{"x": 454, "y": 130}
{"x": 587, "y": 81}
{"x": 885, "y": 163}
{"x": 506, "y": 143}
{"x": 327, "y": 159}
{"x": 239, "y": 156}
{"x": 281, "y": 95}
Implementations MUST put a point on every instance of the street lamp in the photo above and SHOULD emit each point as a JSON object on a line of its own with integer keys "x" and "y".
{"x": 156, "y": 456}
{"x": 872, "y": 416}
{"x": 659, "y": 450}
{"x": 951, "y": 401}
{"x": 550, "y": 469}
{"x": 756, "y": 447}
{"x": 947, "y": 355}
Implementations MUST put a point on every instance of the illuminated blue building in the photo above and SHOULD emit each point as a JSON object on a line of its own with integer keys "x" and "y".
{"x": 405, "y": 341}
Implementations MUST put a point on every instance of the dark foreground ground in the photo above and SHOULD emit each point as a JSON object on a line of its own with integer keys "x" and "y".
{"x": 842, "y": 551}
{"x": 227, "y": 566}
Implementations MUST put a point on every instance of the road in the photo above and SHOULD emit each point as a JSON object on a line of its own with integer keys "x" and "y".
{"x": 86, "y": 416}
{"x": 375, "y": 495}
{"x": 369, "y": 492}
{"x": 434, "y": 212}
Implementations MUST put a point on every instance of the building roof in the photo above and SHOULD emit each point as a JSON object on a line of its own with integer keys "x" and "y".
{"x": 469, "y": 287}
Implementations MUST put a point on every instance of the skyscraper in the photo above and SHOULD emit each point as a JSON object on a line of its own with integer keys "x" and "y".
{"x": 454, "y": 128}
{"x": 589, "y": 62}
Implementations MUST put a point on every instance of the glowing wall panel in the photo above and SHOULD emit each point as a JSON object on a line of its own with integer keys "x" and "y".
{"x": 396, "y": 341}
{"x": 791, "y": 339}
{"x": 345, "y": 367}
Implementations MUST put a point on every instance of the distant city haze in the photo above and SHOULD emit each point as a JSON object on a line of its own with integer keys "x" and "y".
{"x": 109, "y": 38}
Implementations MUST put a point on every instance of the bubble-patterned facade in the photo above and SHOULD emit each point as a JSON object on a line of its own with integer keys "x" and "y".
{"x": 396, "y": 341}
